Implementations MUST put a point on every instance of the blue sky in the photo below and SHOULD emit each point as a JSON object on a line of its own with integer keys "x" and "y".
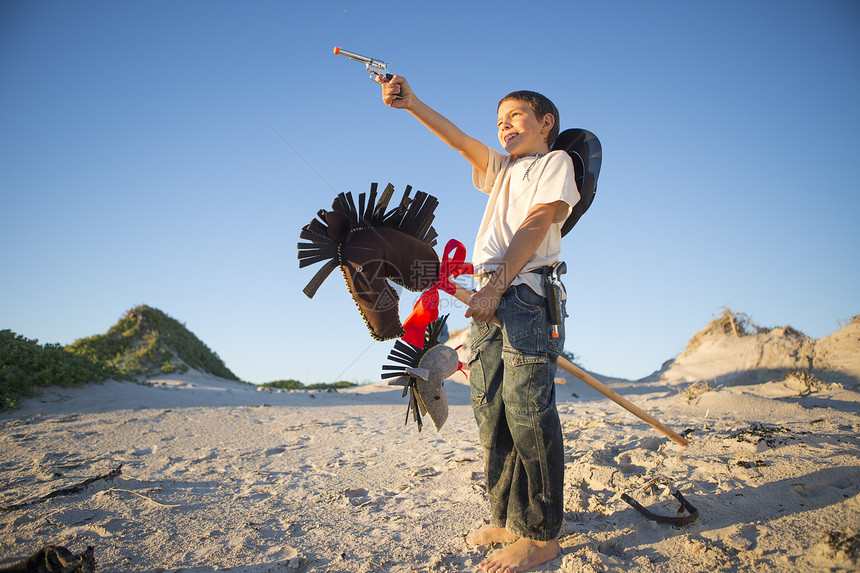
{"x": 168, "y": 153}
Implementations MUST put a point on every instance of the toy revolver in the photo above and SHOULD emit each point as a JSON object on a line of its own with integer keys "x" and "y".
{"x": 375, "y": 67}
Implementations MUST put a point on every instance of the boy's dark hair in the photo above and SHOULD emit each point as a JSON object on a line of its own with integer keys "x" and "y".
{"x": 540, "y": 104}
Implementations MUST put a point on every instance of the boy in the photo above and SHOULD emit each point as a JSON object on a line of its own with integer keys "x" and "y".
{"x": 512, "y": 368}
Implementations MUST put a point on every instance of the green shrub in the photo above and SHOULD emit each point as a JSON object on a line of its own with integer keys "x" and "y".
{"x": 285, "y": 384}
{"x": 25, "y": 365}
{"x": 296, "y": 385}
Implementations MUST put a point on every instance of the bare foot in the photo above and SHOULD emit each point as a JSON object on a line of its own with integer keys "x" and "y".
{"x": 488, "y": 535}
{"x": 520, "y": 556}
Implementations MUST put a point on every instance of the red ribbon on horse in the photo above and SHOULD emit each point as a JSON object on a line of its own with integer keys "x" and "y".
{"x": 426, "y": 308}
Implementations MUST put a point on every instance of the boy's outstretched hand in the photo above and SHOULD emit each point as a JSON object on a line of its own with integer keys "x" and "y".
{"x": 395, "y": 92}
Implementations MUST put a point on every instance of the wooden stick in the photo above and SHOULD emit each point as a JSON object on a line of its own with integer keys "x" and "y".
{"x": 464, "y": 295}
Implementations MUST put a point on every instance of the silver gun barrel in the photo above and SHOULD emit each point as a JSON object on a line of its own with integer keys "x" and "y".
{"x": 369, "y": 62}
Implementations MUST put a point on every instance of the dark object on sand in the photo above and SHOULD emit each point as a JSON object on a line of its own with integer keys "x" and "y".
{"x": 66, "y": 490}
{"x": 677, "y": 521}
{"x": 55, "y": 559}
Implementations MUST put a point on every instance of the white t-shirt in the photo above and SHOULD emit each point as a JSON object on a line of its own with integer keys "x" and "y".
{"x": 514, "y": 188}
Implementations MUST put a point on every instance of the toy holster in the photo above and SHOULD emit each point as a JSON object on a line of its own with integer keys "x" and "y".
{"x": 552, "y": 287}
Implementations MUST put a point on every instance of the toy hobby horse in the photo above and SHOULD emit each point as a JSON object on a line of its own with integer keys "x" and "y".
{"x": 371, "y": 246}
{"x": 421, "y": 371}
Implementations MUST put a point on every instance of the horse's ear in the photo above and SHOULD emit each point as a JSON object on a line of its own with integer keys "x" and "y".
{"x": 585, "y": 150}
{"x": 338, "y": 225}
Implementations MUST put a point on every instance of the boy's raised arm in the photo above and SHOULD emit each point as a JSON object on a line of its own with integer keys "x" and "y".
{"x": 397, "y": 93}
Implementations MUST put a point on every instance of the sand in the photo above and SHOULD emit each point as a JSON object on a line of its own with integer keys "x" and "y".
{"x": 219, "y": 476}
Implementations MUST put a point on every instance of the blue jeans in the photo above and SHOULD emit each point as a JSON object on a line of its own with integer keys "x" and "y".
{"x": 512, "y": 378}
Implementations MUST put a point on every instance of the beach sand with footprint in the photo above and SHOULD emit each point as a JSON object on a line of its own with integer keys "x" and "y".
{"x": 196, "y": 474}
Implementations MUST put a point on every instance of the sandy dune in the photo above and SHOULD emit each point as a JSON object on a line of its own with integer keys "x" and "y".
{"x": 219, "y": 476}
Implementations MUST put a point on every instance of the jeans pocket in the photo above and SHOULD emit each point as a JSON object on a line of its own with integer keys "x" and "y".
{"x": 515, "y": 358}
{"x": 478, "y": 335}
{"x": 529, "y": 386}
{"x": 524, "y": 320}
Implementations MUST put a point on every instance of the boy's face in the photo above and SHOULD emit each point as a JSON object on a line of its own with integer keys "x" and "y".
{"x": 521, "y": 133}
